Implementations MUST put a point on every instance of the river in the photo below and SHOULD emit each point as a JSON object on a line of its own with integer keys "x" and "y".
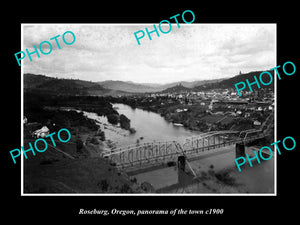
{"x": 149, "y": 127}
{"x": 217, "y": 172}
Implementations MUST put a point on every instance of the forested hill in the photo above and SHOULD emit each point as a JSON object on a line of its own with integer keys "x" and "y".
{"x": 177, "y": 89}
{"x": 50, "y": 85}
{"x": 230, "y": 82}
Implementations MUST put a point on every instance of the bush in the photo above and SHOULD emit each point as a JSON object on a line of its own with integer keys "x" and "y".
{"x": 101, "y": 134}
{"x": 132, "y": 130}
{"x": 225, "y": 178}
{"x": 103, "y": 185}
{"x": 125, "y": 188}
{"x": 124, "y": 122}
{"x": 94, "y": 141}
{"x": 113, "y": 118}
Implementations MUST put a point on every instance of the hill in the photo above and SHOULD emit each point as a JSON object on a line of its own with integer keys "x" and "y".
{"x": 189, "y": 84}
{"x": 126, "y": 86}
{"x": 230, "y": 82}
{"x": 56, "y": 86}
{"x": 132, "y": 87}
{"x": 176, "y": 89}
{"x": 50, "y": 85}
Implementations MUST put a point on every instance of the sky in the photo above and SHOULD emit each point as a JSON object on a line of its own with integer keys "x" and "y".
{"x": 111, "y": 52}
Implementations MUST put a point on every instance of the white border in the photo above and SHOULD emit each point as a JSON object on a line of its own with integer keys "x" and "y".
{"x": 275, "y": 116}
{"x": 143, "y": 194}
{"x": 22, "y": 115}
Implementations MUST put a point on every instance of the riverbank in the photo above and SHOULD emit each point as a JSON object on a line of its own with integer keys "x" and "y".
{"x": 203, "y": 116}
{"x": 85, "y": 171}
{"x": 75, "y": 166}
{"x": 196, "y": 117}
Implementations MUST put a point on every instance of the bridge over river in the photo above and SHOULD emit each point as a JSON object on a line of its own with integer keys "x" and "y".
{"x": 156, "y": 153}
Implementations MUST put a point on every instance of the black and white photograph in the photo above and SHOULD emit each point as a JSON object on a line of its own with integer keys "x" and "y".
{"x": 143, "y": 110}
{"x": 118, "y": 109}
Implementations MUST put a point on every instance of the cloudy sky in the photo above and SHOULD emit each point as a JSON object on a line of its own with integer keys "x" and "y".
{"x": 191, "y": 52}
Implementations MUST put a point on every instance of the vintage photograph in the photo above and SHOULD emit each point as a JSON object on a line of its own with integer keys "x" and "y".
{"x": 162, "y": 117}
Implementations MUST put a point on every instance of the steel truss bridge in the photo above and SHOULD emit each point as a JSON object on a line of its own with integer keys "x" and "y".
{"x": 155, "y": 153}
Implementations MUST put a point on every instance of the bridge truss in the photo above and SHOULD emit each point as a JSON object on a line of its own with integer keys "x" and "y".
{"x": 155, "y": 153}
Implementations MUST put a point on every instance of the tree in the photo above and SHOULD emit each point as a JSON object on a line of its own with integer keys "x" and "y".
{"x": 113, "y": 118}
{"x": 124, "y": 122}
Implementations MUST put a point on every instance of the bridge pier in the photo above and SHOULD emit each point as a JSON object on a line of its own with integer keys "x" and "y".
{"x": 181, "y": 162}
{"x": 239, "y": 150}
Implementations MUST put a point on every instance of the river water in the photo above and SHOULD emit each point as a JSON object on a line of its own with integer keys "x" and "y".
{"x": 151, "y": 127}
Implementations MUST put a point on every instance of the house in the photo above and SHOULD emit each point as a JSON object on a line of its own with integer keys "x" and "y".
{"x": 44, "y": 131}
{"x": 256, "y": 123}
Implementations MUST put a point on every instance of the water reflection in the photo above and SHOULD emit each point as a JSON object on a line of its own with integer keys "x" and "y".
{"x": 149, "y": 127}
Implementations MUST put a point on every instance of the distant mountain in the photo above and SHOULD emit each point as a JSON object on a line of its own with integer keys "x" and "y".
{"x": 230, "y": 82}
{"x": 50, "y": 85}
{"x": 176, "y": 89}
{"x": 190, "y": 84}
{"x": 129, "y": 86}
{"x": 126, "y": 86}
